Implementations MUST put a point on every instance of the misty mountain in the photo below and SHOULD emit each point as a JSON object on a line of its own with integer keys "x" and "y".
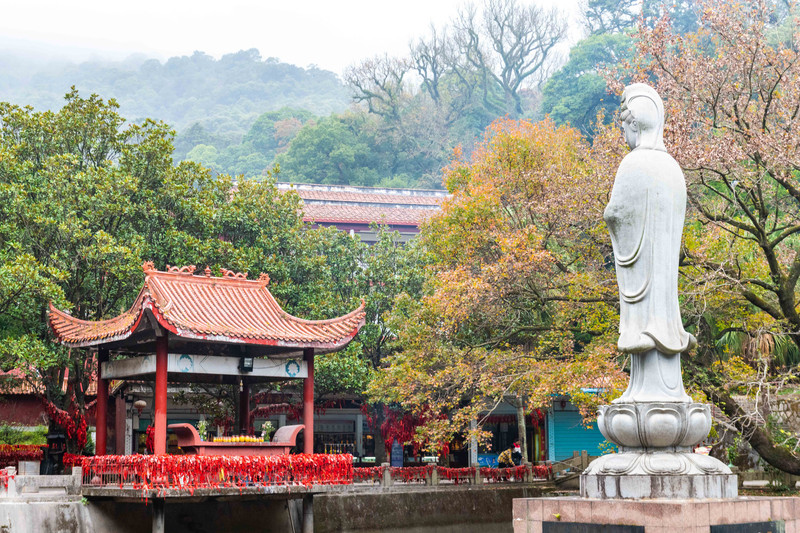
{"x": 225, "y": 96}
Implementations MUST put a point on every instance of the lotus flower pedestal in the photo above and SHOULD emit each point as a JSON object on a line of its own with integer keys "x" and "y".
{"x": 655, "y": 459}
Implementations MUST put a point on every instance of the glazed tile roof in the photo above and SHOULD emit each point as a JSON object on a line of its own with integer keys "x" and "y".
{"x": 365, "y": 214}
{"x": 230, "y": 308}
{"x": 310, "y": 195}
{"x": 334, "y": 204}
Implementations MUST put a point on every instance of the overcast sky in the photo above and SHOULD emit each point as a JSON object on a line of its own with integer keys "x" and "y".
{"x": 331, "y": 34}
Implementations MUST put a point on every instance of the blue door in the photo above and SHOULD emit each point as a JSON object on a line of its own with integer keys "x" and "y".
{"x": 567, "y": 434}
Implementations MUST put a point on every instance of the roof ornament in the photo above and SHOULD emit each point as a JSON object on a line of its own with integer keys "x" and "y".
{"x": 207, "y": 272}
{"x": 148, "y": 266}
{"x": 263, "y": 279}
{"x": 182, "y": 270}
{"x": 231, "y": 274}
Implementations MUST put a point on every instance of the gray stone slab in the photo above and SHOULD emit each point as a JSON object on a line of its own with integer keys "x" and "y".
{"x": 577, "y": 527}
{"x": 733, "y": 515}
{"x": 605, "y": 487}
{"x": 756, "y": 527}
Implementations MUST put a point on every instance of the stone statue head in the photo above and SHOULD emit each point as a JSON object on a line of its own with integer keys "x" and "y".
{"x": 642, "y": 117}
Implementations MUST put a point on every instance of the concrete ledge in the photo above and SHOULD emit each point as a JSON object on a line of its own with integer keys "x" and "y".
{"x": 606, "y": 486}
{"x": 534, "y": 515}
{"x": 52, "y": 484}
{"x": 38, "y": 487}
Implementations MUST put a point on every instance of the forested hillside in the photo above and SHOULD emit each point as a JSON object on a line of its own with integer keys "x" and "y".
{"x": 242, "y": 114}
{"x": 392, "y": 121}
{"x": 223, "y": 96}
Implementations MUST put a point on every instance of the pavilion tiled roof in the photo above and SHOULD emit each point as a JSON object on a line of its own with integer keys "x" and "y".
{"x": 230, "y": 308}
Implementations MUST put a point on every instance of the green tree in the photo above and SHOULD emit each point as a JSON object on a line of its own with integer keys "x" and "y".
{"x": 194, "y": 136}
{"x": 86, "y": 200}
{"x": 335, "y": 150}
{"x": 272, "y": 131}
{"x": 68, "y": 179}
{"x": 610, "y": 16}
{"x": 577, "y": 92}
{"x": 205, "y": 155}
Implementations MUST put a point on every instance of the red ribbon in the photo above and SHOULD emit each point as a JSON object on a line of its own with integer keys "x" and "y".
{"x": 189, "y": 472}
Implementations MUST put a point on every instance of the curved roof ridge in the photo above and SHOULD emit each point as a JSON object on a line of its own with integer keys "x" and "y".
{"x": 227, "y": 308}
{"x": 351, "y": 314}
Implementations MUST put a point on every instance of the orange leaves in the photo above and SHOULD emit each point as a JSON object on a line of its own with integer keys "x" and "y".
{"x": 518, "y": 288}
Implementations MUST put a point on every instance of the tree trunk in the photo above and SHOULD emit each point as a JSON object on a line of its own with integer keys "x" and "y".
{"x": 523, "y": 433}
{"x": 777, "y": 456}
{"x": 377, "y": 437}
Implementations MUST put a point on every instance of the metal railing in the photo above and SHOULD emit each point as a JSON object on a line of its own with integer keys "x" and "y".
{"x": 191, "y": 472}
{"x": 386, "y": 475}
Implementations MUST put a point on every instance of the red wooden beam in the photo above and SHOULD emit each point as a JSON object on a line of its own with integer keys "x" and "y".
{"x": 160, "y": 407}
{"x": 308, "y": 402}
{"x": 101, "y": 422}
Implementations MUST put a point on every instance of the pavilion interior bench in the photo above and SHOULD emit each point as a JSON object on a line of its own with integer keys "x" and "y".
{"x": 282, "y": 442}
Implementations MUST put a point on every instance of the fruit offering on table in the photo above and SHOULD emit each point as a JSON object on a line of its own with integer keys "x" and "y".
{"x": 236, "y": 438}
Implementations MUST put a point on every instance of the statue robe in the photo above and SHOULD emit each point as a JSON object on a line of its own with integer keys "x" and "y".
{"x": 645, "y": 218}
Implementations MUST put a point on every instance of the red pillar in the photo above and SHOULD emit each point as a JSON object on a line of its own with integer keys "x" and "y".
{"x": 160, "y": 406}
{"x": 308, "y": 402}
{"x": 101, "y": 422}
{"x": 244, "y": 409}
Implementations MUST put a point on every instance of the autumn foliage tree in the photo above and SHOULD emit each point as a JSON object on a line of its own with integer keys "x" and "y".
{"x": 732, "y": 95}
{"x": 519, "y": 302}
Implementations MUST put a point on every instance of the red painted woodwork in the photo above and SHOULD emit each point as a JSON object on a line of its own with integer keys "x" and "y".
{"x": 281, "y": 444}
{"x": 102, "y": 405}
{"x": 308, "y": 402}
{"x": 160, "y": 406}
{"x": 22, "y": 410}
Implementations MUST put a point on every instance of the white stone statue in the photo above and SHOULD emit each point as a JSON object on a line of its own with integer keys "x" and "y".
{"x": 645, "y": 217}
{"x": 654, "y": 423}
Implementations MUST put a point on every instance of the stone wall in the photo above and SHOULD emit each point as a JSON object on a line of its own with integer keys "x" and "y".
{"x": 442, "y": 509}
{"x": 480, "y": 509}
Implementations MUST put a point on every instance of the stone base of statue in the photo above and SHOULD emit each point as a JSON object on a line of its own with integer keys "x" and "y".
{"x": 655, "y": 460}
{"x": 655, "y": 486}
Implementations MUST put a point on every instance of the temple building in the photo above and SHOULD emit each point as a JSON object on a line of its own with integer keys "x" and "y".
{"x": 354, "y": 209}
